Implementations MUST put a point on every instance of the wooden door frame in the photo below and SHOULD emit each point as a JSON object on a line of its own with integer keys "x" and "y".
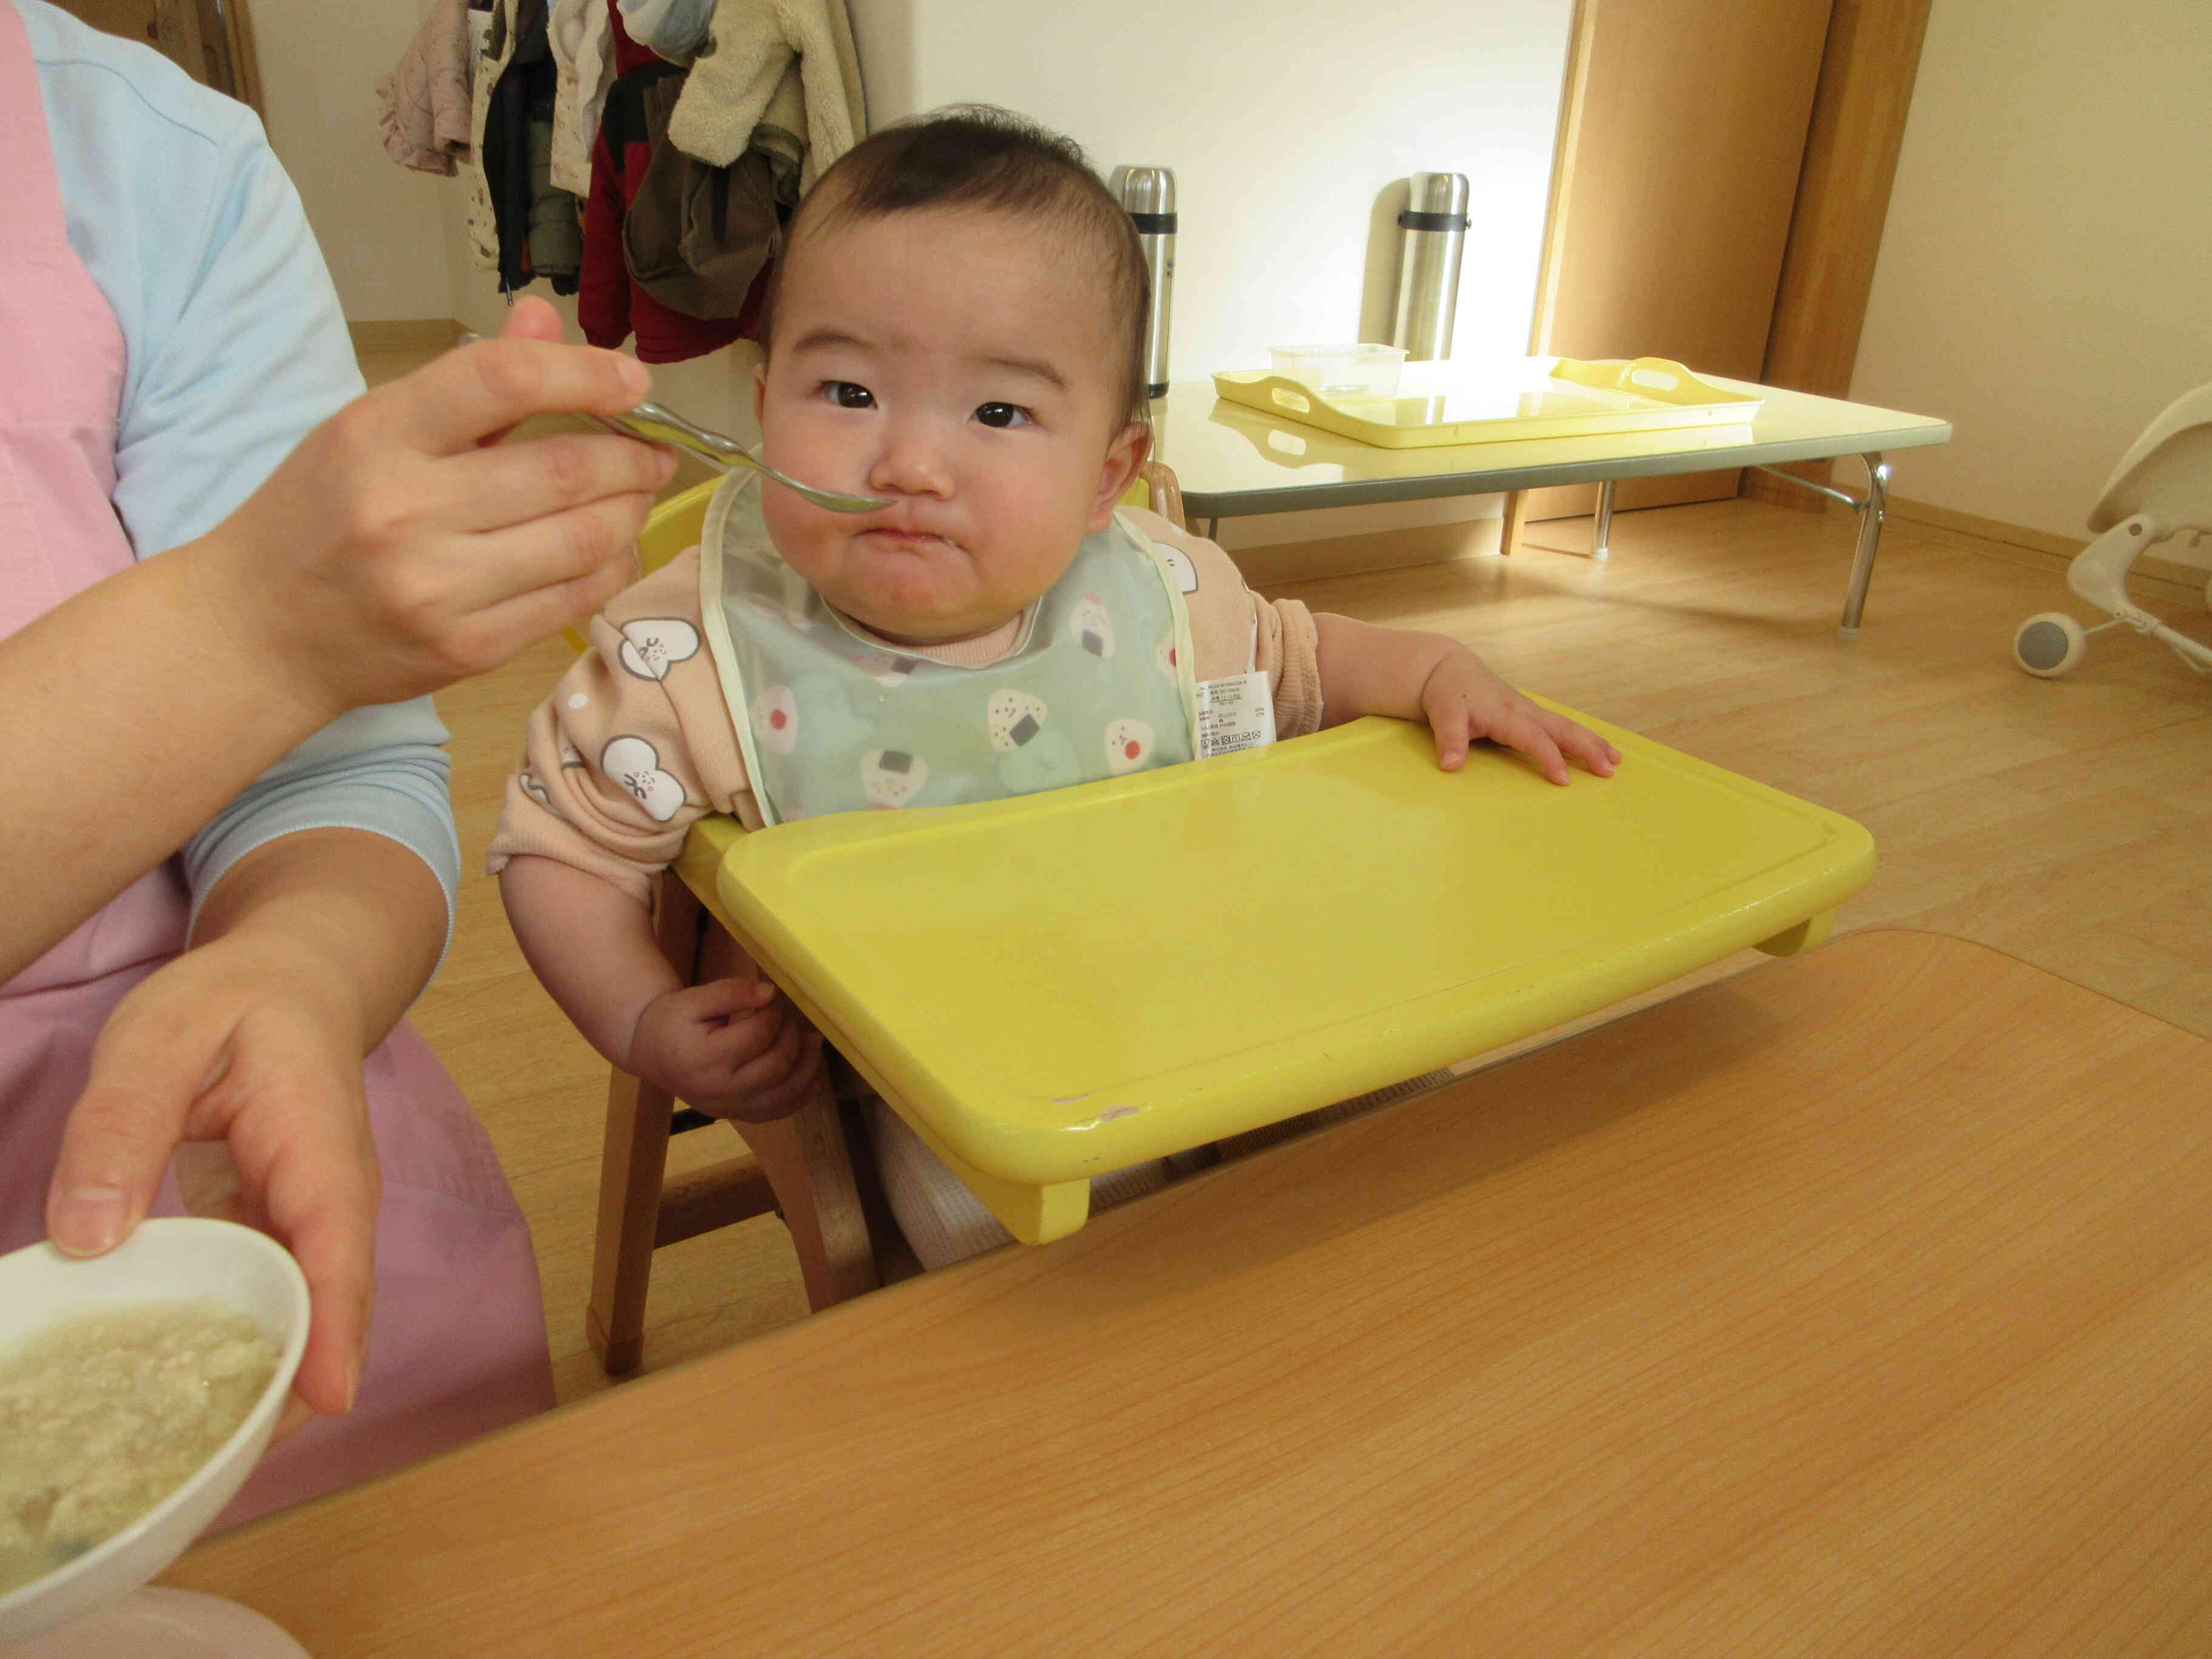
{"x": 1574, "y": 90}
{"x": 1867, "y": 66}
{"x": 1859, "y": 111}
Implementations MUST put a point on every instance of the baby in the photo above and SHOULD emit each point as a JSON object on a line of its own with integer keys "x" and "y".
{"x": 956, "y": 326}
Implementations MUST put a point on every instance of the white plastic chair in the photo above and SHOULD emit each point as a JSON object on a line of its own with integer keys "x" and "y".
{"x": 2162, "y": 487}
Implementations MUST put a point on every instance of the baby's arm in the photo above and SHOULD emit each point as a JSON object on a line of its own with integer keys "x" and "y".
{"x": 1326, "y": 670}
{"x": 734, "y": 1047}
{"x": 634, "y": 747}
{"x": 1366, "y": 670}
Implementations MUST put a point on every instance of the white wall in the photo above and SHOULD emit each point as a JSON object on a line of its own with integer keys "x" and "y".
{"x": 1284, "y": 120}
{"x": 1287, "y": 123}
{"x": 380, "y": 226}
{"x": 2045, "y": 275}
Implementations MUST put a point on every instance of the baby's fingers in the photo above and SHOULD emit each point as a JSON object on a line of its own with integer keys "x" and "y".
{"x": 723, "y": 999}
{"x": 732, "y": 1021}
{"x": 1446, "y": 710}
{"x": 776, "y": 1084}
{"x": 1599, "y": 758}
{"x": 1527, "y": 733}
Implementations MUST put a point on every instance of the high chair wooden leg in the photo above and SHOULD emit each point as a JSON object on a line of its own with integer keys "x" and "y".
{"x": 633, "y": 1166}
{"x": 806, "y": 1160}
{"x": 808, "y": 1167}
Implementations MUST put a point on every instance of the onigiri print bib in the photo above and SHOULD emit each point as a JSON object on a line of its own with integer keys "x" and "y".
{"x": 1098, "y": 685}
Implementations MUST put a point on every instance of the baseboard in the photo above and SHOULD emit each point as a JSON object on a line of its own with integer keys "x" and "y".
{"x": 1381, "y": 549}
{"x": 2041, "y": 549}
{"x": 410, "y": 334}
{"x": 1988, "y": 530}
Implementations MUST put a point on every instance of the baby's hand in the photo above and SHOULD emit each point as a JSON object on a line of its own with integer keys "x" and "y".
{"x": 1463, "y": 700}
{"x": 733, "y": 1048}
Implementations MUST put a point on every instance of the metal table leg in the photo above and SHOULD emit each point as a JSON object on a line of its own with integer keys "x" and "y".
{"x": 1601, "y": 531}
{"x": 1871, "y": 510}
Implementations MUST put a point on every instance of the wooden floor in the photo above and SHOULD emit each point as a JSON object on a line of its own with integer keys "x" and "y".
{"x": 2065, "y": 822}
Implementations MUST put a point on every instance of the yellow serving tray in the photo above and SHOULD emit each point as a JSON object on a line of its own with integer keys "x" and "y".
{"x": 1058, "y": 985}
{"x": 1545, "y": 399}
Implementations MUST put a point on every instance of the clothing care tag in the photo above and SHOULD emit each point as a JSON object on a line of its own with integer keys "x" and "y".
{"x": 1236, "y": 713}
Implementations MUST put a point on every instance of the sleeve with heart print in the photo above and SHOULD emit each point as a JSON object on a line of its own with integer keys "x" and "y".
{"x": 635, "y": 765}
{"x": 652, "y": 644}
{"x": 633, "y": 746}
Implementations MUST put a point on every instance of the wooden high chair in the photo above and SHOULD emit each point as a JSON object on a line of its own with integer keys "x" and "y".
{"x": 813, "y": 1168}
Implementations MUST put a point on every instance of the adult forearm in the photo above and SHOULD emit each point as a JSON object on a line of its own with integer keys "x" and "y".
{"x": 134, "y": 717}
{"x": 394, "y": 552}
{"x": 350, "y": 919}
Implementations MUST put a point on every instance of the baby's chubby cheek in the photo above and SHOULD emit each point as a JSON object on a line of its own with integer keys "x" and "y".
{"x": 788, "y": 520}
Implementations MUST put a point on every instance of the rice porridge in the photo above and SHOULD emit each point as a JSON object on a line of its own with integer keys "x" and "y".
{"x": 103, "y": 1414}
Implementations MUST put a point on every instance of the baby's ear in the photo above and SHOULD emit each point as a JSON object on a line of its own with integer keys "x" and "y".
{"x": 1124, "y": 455}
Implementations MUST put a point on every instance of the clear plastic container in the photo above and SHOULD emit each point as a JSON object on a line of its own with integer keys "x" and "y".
{"x": 1355, "y": 370}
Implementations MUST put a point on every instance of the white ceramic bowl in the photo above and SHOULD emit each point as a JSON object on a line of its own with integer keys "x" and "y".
{"x": 175, "y": 1259}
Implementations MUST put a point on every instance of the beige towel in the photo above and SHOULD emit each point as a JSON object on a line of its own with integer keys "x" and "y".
{"x": 749, "y": 50}
{"x": 424, "y": 102}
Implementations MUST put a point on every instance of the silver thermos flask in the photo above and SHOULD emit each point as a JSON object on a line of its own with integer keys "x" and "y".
{"x": 1434, "y": 230}
{"x": 1148, "y": 194}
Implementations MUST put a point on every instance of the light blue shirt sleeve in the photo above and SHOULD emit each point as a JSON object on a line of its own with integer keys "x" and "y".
{"x": 236, "y": 347}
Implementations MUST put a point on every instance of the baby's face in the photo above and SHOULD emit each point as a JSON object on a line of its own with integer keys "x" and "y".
{"x": 962, "y": 363}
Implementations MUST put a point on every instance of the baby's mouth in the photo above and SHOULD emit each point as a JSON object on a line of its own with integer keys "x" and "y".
{"x": 905, "y": 540}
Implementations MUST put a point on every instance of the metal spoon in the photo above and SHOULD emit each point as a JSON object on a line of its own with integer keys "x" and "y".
{"x": 650, "y": 422}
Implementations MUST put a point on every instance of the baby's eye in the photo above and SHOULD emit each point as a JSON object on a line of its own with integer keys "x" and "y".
{"x": 848, "y": 395}
{"x": 1002, "y": 415}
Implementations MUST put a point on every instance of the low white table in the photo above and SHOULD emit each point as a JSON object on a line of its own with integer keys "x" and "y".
{"x": 1232, "y": 460}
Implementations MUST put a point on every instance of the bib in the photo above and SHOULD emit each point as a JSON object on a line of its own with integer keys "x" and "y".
{"x": 1099, "y": 685}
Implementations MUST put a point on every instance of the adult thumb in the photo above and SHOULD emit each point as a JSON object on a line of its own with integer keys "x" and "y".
{"x": 533, "y": 318}
{"x": 120, "y": 1134}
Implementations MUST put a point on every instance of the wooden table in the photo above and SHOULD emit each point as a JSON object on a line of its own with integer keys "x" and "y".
{"x": 1232, "y": 459}
{"x": 1861, "y": 1304}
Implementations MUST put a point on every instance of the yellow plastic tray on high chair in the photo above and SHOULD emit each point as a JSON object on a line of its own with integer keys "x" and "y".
{"x": 1058, "y": 985}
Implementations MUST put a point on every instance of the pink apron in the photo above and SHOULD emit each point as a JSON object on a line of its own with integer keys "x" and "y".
{"x": 457, "y": 1344}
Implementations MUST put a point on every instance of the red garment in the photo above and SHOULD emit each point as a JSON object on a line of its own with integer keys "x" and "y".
{"x": 610, "y": 304}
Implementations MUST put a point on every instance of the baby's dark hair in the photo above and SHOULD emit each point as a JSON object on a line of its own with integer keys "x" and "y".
{"x": 978, "y": 155}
